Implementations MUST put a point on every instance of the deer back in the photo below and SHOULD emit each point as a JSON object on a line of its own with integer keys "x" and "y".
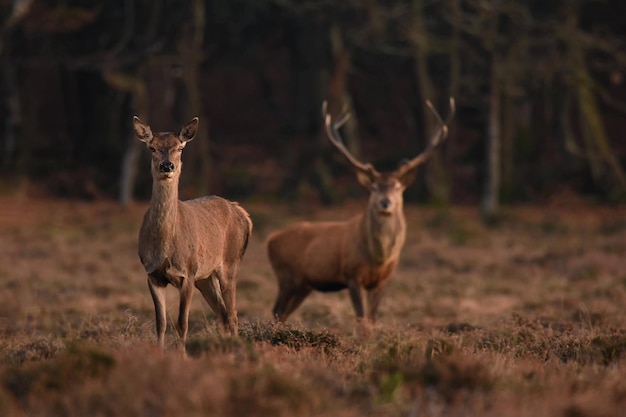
{"x": 323, "y": 252}
{"x": 212, "y": 231}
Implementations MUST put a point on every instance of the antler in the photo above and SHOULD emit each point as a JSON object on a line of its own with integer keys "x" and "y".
{"x": 332, "y": 131}
{"x": 438, "y": 137}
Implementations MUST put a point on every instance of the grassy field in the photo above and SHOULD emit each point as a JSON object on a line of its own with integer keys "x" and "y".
{"x": 525, "y": 318}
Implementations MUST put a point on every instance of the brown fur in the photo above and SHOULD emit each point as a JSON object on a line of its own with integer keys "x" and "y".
{"x": 358, "y": 254}
{"x": 198, "y": 242}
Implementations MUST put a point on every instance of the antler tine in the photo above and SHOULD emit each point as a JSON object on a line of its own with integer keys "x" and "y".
{"x": 439, "y": 136}
{"x": 332, "y": 132}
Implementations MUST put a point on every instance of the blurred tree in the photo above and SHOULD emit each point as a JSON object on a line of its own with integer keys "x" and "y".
{"x": 597, "y": 149}
{"x": 191, "y": 50}
{"x": 422, "y": 45}
{"x": 539, "y": 86}
{"x": 10, "y": 92}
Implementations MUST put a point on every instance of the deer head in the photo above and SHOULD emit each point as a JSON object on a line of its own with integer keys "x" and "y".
{"x": 386, "y": 189}
{"x": 166, "y": 148}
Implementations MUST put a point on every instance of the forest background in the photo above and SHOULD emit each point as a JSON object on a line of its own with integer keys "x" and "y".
{"x": 539, "y": 88}
{"x": 521, "y": 316}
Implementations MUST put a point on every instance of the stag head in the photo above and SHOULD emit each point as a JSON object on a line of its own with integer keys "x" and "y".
{"x": 386, "y": 189}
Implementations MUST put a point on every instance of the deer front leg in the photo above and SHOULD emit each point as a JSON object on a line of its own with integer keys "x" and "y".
{"x": 157, "y": 291}
{"x": 373, "y": 300}
{"x": 356, "y": 296}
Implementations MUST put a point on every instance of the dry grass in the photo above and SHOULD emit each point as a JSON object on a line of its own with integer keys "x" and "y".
{"x": 525, "y": 318}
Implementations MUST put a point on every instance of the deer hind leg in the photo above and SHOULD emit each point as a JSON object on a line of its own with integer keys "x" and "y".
{"x": 290, "y": 296}
{"x": 186, "y": 294}
{"x": 157, "y": 291}
{"x": 229, "y": 292}
{"x": 211, "y": 290}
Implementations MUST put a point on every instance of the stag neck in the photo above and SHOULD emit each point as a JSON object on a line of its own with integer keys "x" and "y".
{"x": 384, "y": 235}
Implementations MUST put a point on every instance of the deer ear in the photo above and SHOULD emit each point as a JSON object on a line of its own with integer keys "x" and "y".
{"x": 364, "y": 179}
{"x": 408, "y": 177}
{"x": 142, "y": 130}
{"x": 189, "y": 130}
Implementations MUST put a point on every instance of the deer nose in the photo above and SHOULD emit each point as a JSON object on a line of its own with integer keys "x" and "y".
{"x": 166, "y": 166}
{"x": 385, "y": 203}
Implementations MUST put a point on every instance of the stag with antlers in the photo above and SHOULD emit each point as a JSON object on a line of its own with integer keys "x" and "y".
{"x": 360, "y": 253}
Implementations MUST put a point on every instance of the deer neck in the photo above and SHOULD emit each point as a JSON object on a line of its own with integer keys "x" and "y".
{"x": 164, "y": 210}
{"x": 384, "y": 234}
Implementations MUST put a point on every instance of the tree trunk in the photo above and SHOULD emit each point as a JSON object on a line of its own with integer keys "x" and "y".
{"x": 134, "y": 85}
{"x": 310, "y": 65}
{"x": 191, "y": 51}
{"x": 508, "y": 133}
{"x": 437, "y": 182}
{"x": 598, "y": 149}
{"x": 12, "y": 118}
{"x": 491, "y": 197}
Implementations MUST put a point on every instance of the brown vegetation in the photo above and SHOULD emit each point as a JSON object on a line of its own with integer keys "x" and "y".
{"x": 525, "y": 318}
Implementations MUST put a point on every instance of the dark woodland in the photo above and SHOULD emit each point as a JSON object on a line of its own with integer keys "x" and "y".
{"x": 539, "y": 88}
{"x": 509, "y": 287}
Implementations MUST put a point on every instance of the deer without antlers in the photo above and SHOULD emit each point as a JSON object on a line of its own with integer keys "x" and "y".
{"x": 198, "y": 242}
{"x": 358, "y": 254}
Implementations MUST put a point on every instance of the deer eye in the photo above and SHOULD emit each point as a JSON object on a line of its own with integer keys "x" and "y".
{"x": 152, "y": 149}
{"x": 180, "y": 149}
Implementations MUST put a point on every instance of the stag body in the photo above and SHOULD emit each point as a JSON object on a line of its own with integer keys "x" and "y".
{"x": 359, "y": 254}
{"x": 190, "y": 243}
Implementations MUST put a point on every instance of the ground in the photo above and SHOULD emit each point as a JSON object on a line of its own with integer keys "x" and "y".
{"x": 525, "y": 317}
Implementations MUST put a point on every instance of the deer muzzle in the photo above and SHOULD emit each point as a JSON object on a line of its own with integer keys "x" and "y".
{"x": 166, "y": 167}
{"x": 384, "y": 206}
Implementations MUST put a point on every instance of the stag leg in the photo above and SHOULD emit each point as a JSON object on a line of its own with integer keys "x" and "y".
{"x": 373, "y": 300}
{"x": 186, "y": 294}
{"x": 289, "y": 299}
{"x": 356, "y": 296}
{"x": 158, "y": 297}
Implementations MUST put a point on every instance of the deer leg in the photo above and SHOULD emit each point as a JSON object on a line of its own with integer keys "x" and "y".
{"x": 285, "y": 286}
{"x": 281, "y": 304}
{"x": 158, "y": 297}
{"x": 204, "y": 285}
{"x": 186, "y": 294}
{"x": 290, "y": 295}
{"x": 229, "y": 292}
{"x": 373, "y": 300}
{"x": 289, "y": 302}
{"x": 356, "y": 296}
{"x": 212, "y": 292}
